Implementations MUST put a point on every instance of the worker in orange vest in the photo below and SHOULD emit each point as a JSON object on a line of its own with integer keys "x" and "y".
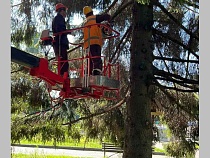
{"x": 93, "y": 38}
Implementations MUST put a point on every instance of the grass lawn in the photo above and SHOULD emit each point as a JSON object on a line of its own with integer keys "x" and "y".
{"x": 41, "y": 156}
{"x": 70, "y": 143}
{"x": 159, "y": 150}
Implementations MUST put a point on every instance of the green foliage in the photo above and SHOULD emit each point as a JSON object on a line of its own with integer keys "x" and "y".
{"x": 74, "y": 132}
{"x": 17, "y": 37}
{"x": 34, "y": 92}
{"x": 181, "y": 149}
{"x": 23, "y": 36}
{"x": 43, "y": 132}
{"x": 52, "y": 132}
{"x": 145, "y": 2}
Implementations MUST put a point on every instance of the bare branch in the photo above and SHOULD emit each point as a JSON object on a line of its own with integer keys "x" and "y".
{"x": 118, "y": 46}
{"x": 15, "y": 5}
{"x": 182, "y": 83}
{"x": 192, "y": 4}
{"x": 176, "y": 60}
{"x": 167, "y": 74}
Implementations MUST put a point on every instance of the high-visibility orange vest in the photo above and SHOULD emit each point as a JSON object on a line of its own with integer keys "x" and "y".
{"x": 93, "y": 34}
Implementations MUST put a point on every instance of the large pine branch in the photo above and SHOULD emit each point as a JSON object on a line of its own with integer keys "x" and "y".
{"x": 119, "y": 45}
{"x": 175, "y": 76}
{"x": 190, "y": 88}
{"x": 175, "y": 101}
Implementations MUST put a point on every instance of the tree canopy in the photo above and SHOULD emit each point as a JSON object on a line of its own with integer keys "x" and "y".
{"x": 158, "y": 48}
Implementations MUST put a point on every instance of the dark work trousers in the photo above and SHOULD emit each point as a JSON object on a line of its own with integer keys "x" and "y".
{"x": 63, "y": 56}
{"x": 95, "y": 63}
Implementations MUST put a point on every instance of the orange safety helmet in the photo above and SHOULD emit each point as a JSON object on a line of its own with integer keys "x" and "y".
{"x": 87, "y": 10}
{"x": 59, "y": 6}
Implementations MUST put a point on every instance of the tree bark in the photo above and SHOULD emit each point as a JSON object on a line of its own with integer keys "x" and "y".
{"x": 138, "y": 134}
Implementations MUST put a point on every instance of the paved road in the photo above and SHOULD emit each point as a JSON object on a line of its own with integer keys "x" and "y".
{"x": 79, "y": 153}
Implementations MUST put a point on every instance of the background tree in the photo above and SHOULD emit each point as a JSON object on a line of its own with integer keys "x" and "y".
{"x": 161, "y": 39}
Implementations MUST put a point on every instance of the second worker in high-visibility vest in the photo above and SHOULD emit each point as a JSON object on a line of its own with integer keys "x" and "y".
{"x": 93, "y": 38}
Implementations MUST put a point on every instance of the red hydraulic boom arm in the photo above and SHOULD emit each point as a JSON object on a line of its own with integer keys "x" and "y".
{"x": 38, "y": 66}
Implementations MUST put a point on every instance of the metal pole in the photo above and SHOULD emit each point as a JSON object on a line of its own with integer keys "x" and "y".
{"x": 59, "y": 53}
{"x": 87, "y": 61}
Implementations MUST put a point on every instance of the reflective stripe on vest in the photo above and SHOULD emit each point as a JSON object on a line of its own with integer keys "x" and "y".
{"x": 92, "y": 34}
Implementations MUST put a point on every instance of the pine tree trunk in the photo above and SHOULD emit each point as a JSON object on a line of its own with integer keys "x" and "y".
{"x": 138, "y": 136}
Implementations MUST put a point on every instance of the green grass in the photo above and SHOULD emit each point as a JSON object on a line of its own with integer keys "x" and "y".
{"x": 159, "y": 150}
{"x": 70, "y": 143}
{"x": 41, "y": 156}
